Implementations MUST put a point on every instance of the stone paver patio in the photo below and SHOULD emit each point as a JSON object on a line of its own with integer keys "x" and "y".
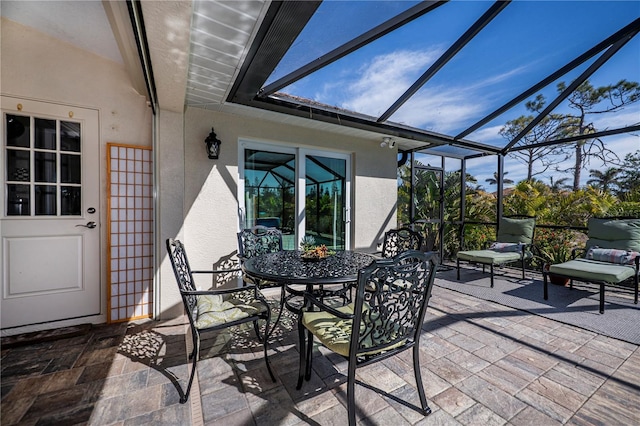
{"x": 482, "y": 364}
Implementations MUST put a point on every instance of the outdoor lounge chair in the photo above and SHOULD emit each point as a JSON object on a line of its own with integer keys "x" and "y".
{"x": 611, "y": 256}
{"x": 210, "y": 310}
{"x": 513, "y": 242}
{"x": 384, "y": 320}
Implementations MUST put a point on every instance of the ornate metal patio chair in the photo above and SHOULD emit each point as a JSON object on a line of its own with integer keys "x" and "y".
{"x": 611, "y": 256}
{"x": 514, "y": 241}
{"x": 210, "y": 310}
{"x": 256, "y": 241}
{"x": 398, "y": 240}
{"x": 385, "y": 319}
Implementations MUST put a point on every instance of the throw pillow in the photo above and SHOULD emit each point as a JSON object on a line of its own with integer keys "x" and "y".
{"x": 622, "y": 257}
{"x": 506, "y": 247}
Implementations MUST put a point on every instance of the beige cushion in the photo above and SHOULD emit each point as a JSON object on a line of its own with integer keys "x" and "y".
{"x": 215, "y": 309}
{"x": 335, "y": 333}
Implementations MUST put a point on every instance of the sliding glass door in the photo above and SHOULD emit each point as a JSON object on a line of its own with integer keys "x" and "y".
{"x": 324, "y": 202}
{"x": 301, "y": 192}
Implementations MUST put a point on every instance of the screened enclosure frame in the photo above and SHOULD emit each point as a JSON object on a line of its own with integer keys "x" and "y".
{"x": 285, "y": 20}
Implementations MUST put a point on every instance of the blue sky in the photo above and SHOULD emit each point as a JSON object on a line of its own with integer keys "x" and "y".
{"x": 526, "y": 42}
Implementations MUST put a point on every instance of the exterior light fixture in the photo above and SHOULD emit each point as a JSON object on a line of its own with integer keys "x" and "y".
{"x": 213, "y": 145}
{"x": 387, "y": 141}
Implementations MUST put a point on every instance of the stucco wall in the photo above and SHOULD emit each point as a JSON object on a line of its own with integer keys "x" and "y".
{"x": 210, "y": 196}
{"x": 37, "y": 66}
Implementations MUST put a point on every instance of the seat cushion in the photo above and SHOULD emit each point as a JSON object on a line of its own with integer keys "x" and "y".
{"x": 335, "y": 333}
{"x": 488, "y": 256}
{"x": 215, "y": 309}
{"x": 592, "y": 270}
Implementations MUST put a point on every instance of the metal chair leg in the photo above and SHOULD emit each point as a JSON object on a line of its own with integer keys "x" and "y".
{"x": 194, "y": 355}
{"x": 491, "y": 270}
{"x": 309, "y": 355}
{"x": 303, "y": 362}
{"x": 416, "y": 369}
{"x": 351, "y": 397}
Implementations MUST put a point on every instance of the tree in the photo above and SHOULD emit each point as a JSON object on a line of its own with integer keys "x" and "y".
{"x": 494, "y": 179}
{"x": 546, "y": 157}
{"x": 558, "y": 184}
{"x": 604, "y": 180}
{"x": 629, "y": 179}
{"x": 588, "y": 101}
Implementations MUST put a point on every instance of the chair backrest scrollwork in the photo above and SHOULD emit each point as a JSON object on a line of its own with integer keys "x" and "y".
{"x": 391, "y": 302}
{"x": 397, "y": 241}
{"x": 182, "y": 271}
{"x": 258, "y": 240}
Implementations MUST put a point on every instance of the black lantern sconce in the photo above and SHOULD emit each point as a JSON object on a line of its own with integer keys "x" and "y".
{"x": 213, "y": 145}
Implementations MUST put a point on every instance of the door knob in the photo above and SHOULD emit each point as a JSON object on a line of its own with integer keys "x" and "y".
{"x": 89, "y": 225}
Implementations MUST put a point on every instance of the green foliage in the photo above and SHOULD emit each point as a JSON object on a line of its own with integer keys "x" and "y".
{"x": 556, "y": 246}
{"x": 308, "y": 242}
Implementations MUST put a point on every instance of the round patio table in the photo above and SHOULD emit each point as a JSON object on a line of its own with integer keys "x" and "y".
{"x": 288, "y": 267}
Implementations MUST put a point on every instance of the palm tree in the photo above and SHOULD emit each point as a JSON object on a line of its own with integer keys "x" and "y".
{"x": 559, "y": 184}
{"x": 494, "y": 179}
{"x": 604, "y": 180}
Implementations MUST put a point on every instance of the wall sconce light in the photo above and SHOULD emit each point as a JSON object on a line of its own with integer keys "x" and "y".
{"x": 387, "y": 141}
{"x": 213, "y": 145}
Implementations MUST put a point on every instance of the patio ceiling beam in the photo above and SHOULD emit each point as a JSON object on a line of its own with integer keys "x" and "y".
{"x": 571, "y": 87}
{"x": 554, "y": 76}
{"x": 282, "y": 23}
{"x": 353, "y": 45}
{"x": 361, "y": 122}
{"x": 482, "y": 22}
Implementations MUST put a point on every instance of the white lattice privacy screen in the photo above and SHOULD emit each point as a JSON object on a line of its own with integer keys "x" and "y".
{"x": 130, "y": 229}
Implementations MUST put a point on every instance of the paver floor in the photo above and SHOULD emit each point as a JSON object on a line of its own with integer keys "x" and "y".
{"x": 481, "y": 363}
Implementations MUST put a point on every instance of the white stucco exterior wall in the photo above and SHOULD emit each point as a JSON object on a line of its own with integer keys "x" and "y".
{"x": 37, "y": 66}
{"x": 210, "y": 192}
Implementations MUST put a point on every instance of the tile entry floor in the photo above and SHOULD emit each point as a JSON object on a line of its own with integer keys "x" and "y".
{"x": 482, "y": 364}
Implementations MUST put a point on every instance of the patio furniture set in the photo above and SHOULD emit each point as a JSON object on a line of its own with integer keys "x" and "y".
{"x": 368, "y": 307}
{"x": 611, "y": 255}
{"x": 364, "y": 307}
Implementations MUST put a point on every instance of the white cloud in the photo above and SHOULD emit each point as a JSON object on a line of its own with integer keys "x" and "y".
{"x": 627, "y": 117}
{"x": 383, "y": 80}
{"x": 439, "y": 109}
{"x": 489, "y": 134}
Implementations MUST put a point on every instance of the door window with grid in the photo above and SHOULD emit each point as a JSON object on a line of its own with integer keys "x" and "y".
{"x": 43, "y": 167}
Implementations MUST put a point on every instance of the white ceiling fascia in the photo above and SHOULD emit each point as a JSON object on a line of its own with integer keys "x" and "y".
{"x": 118, "y": 16}
{"x": 222, "y": 33}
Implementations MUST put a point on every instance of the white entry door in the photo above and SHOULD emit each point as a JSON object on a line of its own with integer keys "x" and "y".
{"x": 49, "y": 224}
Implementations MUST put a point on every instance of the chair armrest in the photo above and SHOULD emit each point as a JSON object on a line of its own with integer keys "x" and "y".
{"x": 309, "y": 297}
{"x": 217, "y": 271}
{"x": 246, "y": 288}
{"x": 576, "y": 251}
